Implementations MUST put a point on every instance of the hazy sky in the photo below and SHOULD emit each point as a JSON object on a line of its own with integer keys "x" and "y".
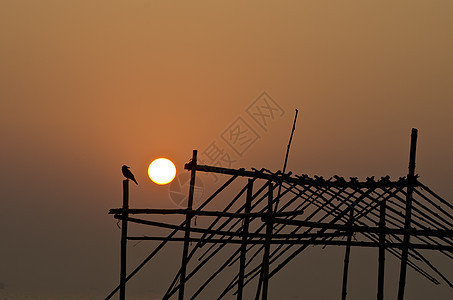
{"x": 87, "y": 86}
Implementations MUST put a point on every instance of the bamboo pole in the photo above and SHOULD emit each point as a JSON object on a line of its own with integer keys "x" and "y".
{"x": 407, "y": 222}
{"x": 347, "y": 254}
{"x": 185, "y": 251}
{"x": 286, "y": 178}
{"x": 286, "y": 159}
{"x": 206, "y": 213}
{"x": 245, "y": 231}
{"x": 310, "y": 241}
{"x": 267, "y": 245}
{"x": 124, "y": 240}
{"x": 276, "y": 239}
{"x": 380, "y": 291}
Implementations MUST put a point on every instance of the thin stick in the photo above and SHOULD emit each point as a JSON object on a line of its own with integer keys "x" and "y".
{"x": 286, "y": 157}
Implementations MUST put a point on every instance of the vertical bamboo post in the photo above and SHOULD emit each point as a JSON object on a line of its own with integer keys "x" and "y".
{"x": 260, "y": 283}
{"x": 185, "y": 250}
{"x": 347, "y": 254}
{"x": 381, "y": 268}
{"x": 267, "y": 245}
{"x": 407, "y": 221}
{"x": 124, "y": 239}
{"x": 245, "y": 232}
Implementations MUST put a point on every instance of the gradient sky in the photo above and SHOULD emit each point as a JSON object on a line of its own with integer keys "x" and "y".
{"x": 87, "y": 86}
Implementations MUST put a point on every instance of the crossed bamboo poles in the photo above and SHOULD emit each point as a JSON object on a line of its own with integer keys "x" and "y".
{"x": 328, "y": 199}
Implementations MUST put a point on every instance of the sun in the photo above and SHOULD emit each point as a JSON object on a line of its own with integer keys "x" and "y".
{"x": 162, "y": 171}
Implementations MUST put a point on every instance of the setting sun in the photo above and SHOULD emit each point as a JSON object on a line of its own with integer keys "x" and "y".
{"x": 162, "y": 171}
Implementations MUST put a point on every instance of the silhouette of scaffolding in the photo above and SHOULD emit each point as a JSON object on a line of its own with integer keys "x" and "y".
{"x": 276, "y": 216}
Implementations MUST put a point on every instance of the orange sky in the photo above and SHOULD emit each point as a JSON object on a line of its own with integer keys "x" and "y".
{"x": 87, "y": 86}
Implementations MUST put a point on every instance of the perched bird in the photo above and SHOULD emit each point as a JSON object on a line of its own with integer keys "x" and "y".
{"x": 128, "y": 174}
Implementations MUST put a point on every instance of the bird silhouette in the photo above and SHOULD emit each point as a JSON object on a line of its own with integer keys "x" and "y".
{"x": 128, "y": 174}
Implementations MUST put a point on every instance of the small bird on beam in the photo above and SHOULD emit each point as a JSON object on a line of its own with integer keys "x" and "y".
{"x": 128, "y": 174}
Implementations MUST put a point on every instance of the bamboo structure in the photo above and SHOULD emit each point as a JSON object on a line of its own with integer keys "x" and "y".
{"x": 275, "y": 216}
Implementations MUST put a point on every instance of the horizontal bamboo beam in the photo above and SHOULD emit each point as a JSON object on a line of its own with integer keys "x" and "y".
{"x": 157, "y": 211}
{"x": 298, "y": 242}
{"x": 172, "y": 226}
{"x": 301, "y": 180}
{"x": 303, "y": 223}
{"x": 229, "y": 233}
{"x": 368, "y": 229}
